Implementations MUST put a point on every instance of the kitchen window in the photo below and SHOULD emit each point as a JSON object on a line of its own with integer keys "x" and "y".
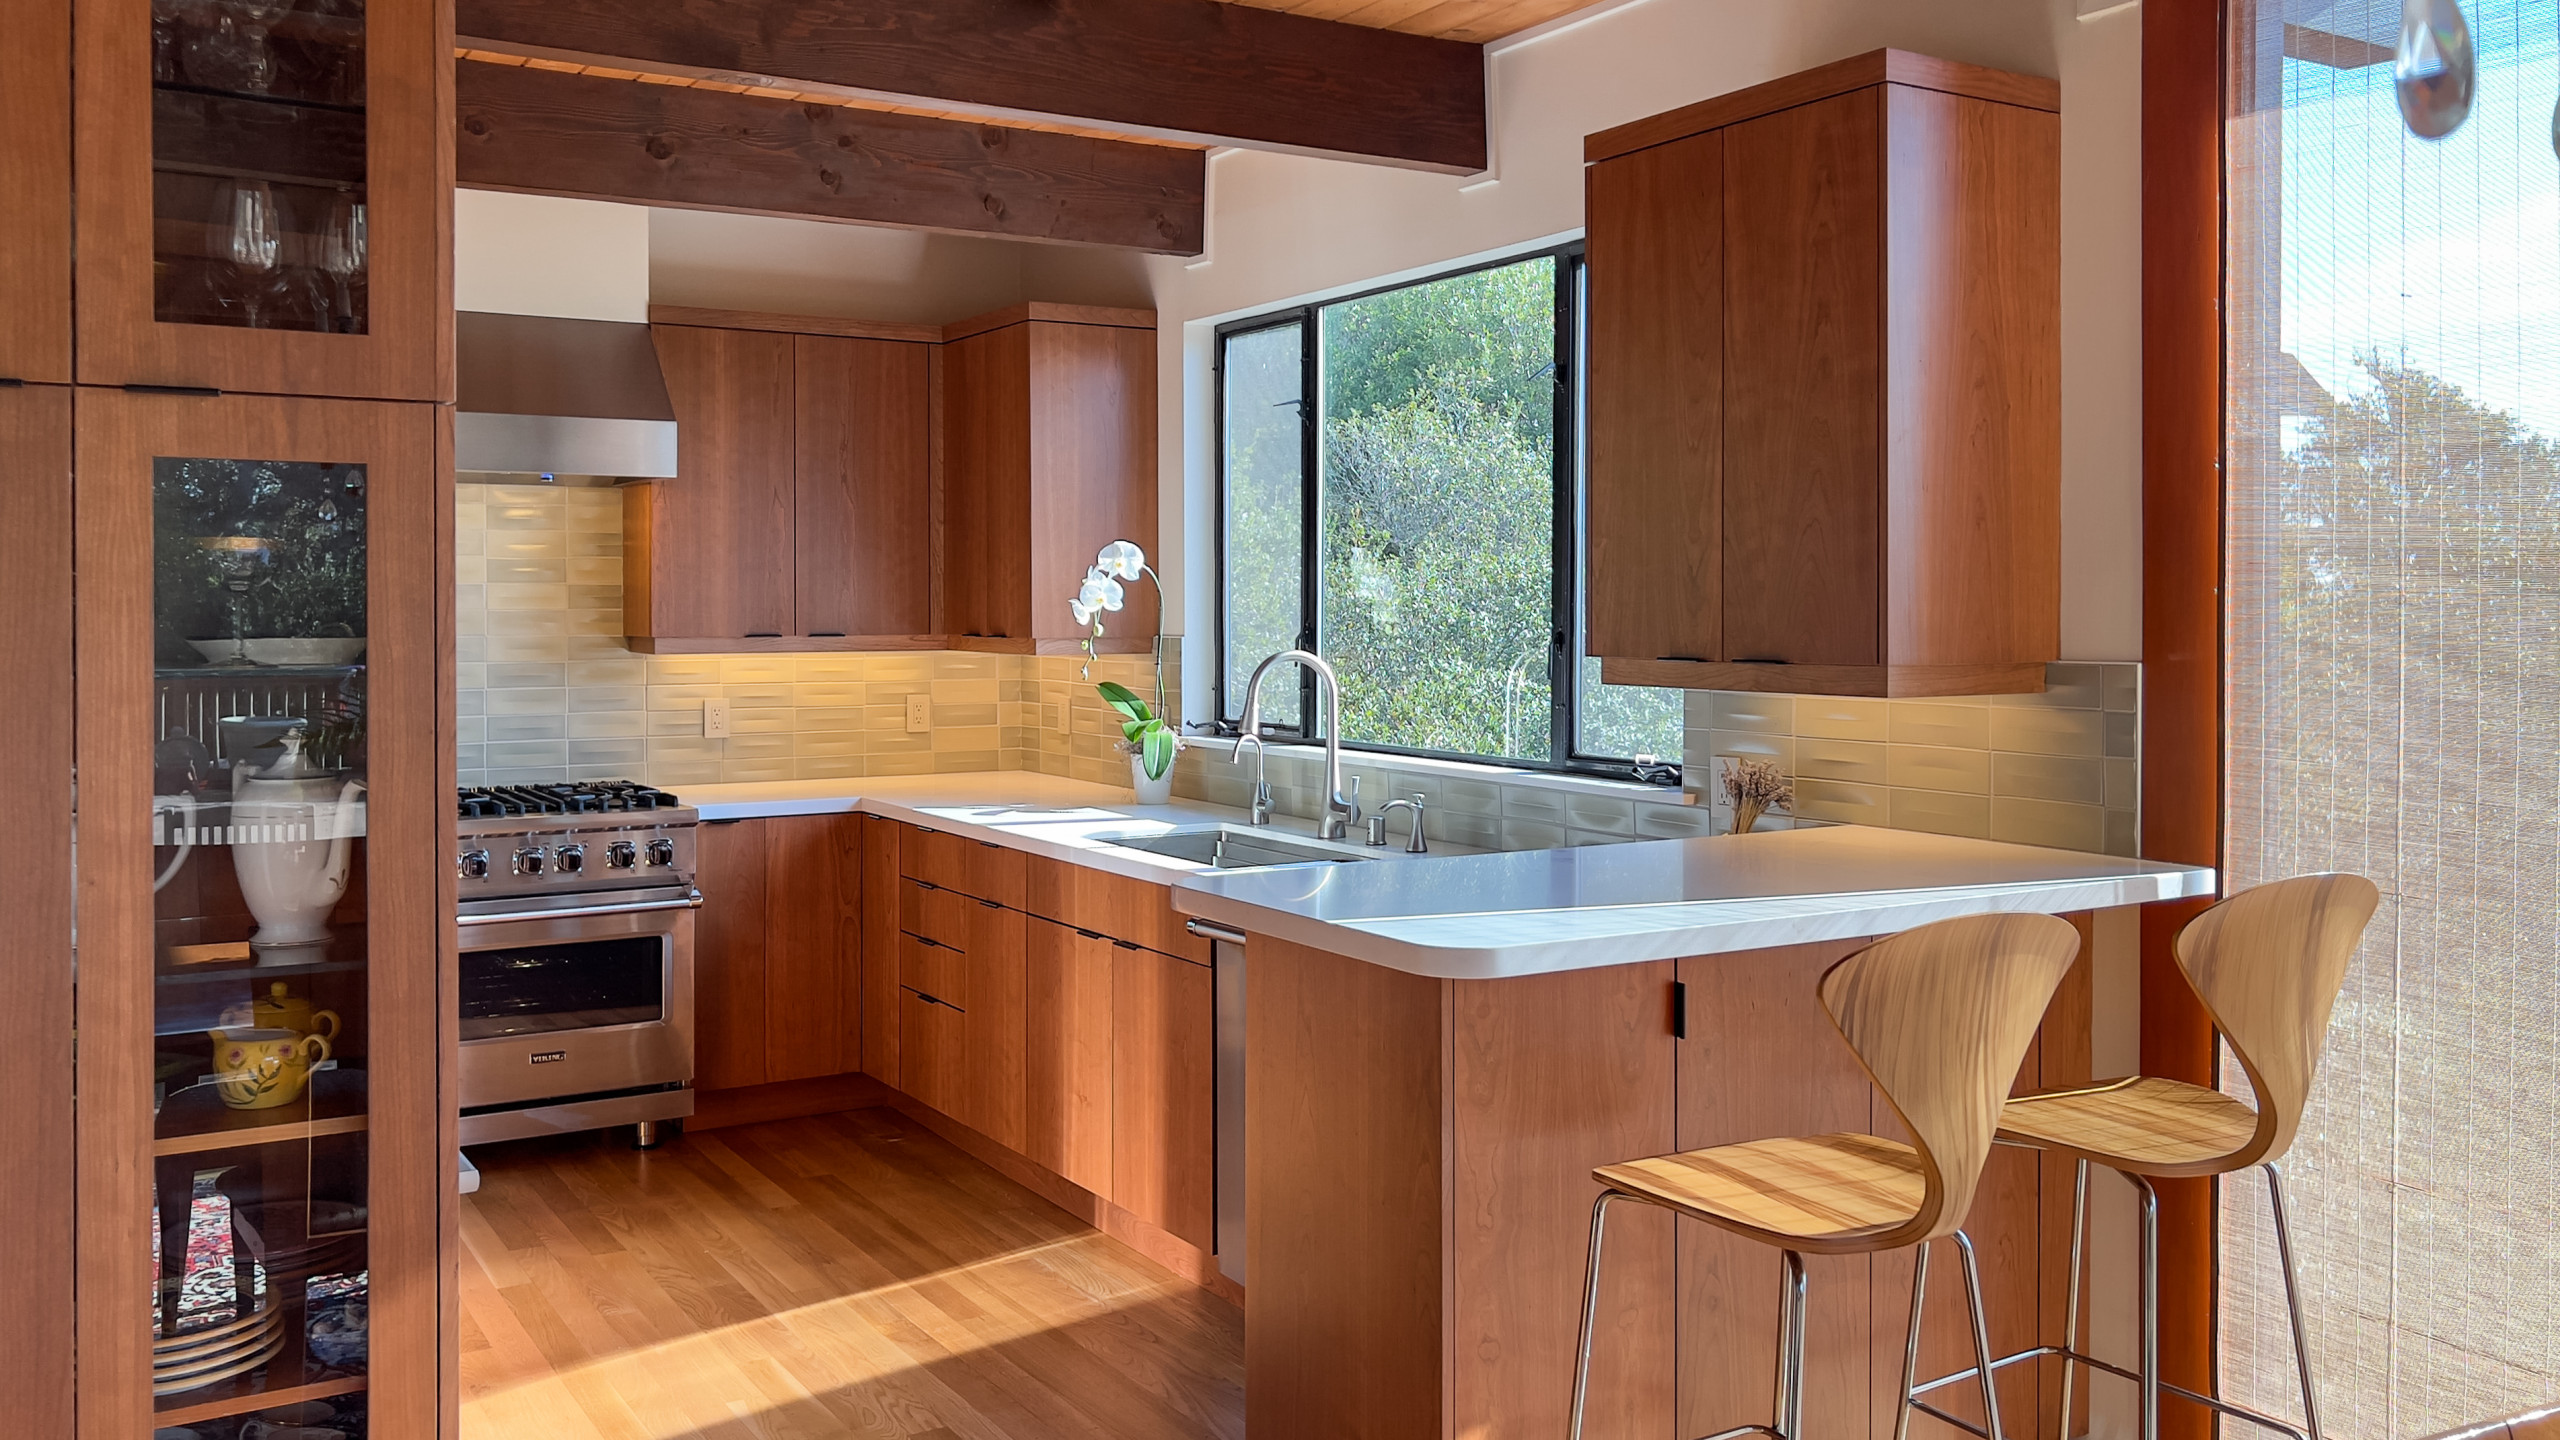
{"x": 1400, "y": 478}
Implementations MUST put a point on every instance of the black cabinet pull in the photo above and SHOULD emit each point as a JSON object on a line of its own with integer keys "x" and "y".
{"x": 826, "y": 634}
{"x": 1679, "y": 1011}
{"x": 1128, "y": 945}
{"x": 1092, "y": 934}
{"x": 990, "y": 904}
{"x": 1757, "y": 660}
{"x": 1686, "y": 659}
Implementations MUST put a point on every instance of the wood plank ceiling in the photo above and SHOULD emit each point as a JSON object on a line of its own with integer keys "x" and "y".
{"x": 1477, "y": 22}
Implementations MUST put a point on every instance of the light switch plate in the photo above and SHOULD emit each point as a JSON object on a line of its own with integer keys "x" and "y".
{"x": 919, "y": 714}
{"x": 715, "y": 719}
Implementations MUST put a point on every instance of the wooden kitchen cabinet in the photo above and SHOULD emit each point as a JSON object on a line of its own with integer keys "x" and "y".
{"x": 777, "y": 991}
{"x": 1826, "y": 385}
{"x": 1067, "y": 1053}
{"x": 932, "y": 1051}
{"x": 992, "y": 1093}
{"x": 263, "y": 208}
{"x": 1164, "y": 1092}
{"x": 707, "y": 555}
{"x": 1048, "y": 428}
{"x": 879, "y": 948}
{"x": 35, "y": 172}
{"x": 863, "y": 557}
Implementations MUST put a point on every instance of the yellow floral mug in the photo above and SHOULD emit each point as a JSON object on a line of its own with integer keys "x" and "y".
{"x": 262, "y": 1069}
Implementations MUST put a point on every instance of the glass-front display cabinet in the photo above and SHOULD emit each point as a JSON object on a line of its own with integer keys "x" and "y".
{"x": 35, "y": 176}
{"x": 262, "y": 201}
{"x": 260, "y": 912}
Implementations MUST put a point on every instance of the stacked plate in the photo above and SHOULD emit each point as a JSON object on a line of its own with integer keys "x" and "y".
{"x": 285, "y": 1244}
{"x": 217, "y": 1352}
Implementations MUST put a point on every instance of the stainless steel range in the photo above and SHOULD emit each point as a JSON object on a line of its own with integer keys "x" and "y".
{"x": 576, "y": 911}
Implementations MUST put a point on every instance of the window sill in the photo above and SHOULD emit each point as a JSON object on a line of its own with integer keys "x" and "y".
{"x": 1518, "y": 776}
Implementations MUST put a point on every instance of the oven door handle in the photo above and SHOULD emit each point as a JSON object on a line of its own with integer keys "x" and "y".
{"x": 692, "y": 900}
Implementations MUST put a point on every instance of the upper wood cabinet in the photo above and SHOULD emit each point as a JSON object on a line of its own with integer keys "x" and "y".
{"x": 35, "y": 173}
{"x": 1049, "y": 453}
{"x": 798, "y": 518}
{"x": 1825, "y": 380}
{"x": 264, "y": 195}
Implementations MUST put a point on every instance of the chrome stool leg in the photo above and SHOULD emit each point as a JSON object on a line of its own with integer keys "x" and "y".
{"x": 1911, "y": 1345}
{"x": 2071, "y": 1310}
{"x": 2293, "y": 1298}
{"x": 1981, "y": 1336}
{"x": 2149, "y": 1200}
{"x": 1590, "y": 1309}
{"x": 1791, "y": 1328}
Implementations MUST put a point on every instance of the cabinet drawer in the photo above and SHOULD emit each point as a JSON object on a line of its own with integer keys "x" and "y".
{"x": 930, "y": 913}
{"x": 1082, "y": 898}
{"x": 933, "y": 1048}
{"x": 956, "y": 862}
{"x": 935, "y": 970}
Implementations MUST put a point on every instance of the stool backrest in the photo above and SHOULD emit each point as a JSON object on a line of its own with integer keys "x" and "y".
{"x": 2268, "y": 964}
{"x": 1941, "y": 1016}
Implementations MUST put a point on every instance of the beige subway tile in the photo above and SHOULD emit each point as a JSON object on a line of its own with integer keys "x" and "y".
{"x": 593, "y": 543}
{"x": 759, "y": 746}
{"x": 2073, "y": 778}
{"x": 684, "y": 670}
{"x": 470, "y": 598}
{"x": 469, "y": 570}
{"x": 748, "y": 772}
{"x": 595, "y": 570}
{"x": 595, "y": 624}
{"x": 470, "y": 730}
{"x": 680, "y": 773}
{"x": 681, "y": 697}
{"x": 738, "y": 670}
{"x": 1859, "y": 762}
{"x": 964, "y": 692}
{"x": 1845, "y": 803}
{"x": 1952, "y": 724}
{"x": 527, "y": 702}
{"x": 471, "y": 702}
{"x": 762, "y": 722}
{"x": 963, "y": 716}
{"x": 825, "y": 693}
{"x": 1674, "y": 822}
{"x": 2124, "y": 784}
{"x": 959, "y": 762}
{"x": 470, "y": 623}
{"x": 605, "y": 759}
{"x": 916, "y": 762}
{"x": 768, "y": 695}
{"x": 827, "y": 717}
{"x": 1519, "y": 833}
{"x": 967, "y": 737}
{"x": 2121, "y": 685}
{"x": 629, "y": 672}
{"x": 507, "y": 514}
{"x": 1938, "y": 767}
{"x": 896, "y": 742}
{"x": 608, "y": 697}
{"x": 827, "y": 669}
{"x": 827, "y": 744}
{"x": 2048, "y": 822}
{"x": 909, "y": 669}
{"x": 606, "y": 724}
{"x": 527, "y": 650}
{"x": 1748, "y": 745}
{"x": 523, "y": 754}
{"x": 2124, "y": 735}
{"x": 549, "y": 573}
{"x": 672, "y": 722}
{"x": 1940, "y": 813}
{"x": 2066, "y": 687}
{"x": 1761, "y": 714}
{"x": 1837, "y": 717}
{"x": 2124, "y": 834}
{"x": 971, "y": 665}
{"x": 472, "y": 649}
{"x": 527, "y": 597}
{"x": 525, "y": 677}
{"x": 840, "y": 767}
{"x": 2047, "y": 732}
{"x": 682, "y": 747}
{"x": 502, "y": 728}
{"x": 527, "y": 622}
{"x": 471, "y": 677}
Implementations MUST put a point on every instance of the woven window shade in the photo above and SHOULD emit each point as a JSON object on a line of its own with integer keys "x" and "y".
{"x": 2394, "y": 699}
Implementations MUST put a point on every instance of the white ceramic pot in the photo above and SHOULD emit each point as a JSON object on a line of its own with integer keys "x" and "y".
{"x": 293, "y": 883}
{"x": 1150, "y": 792}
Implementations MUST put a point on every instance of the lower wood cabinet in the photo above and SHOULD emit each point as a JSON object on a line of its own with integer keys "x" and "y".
{"x": 991, "y": 1092}
{"x": 1068, "y": 1054}
{"x": 932, "y": 1050}
{"x": 776, "y": 989}
{"x": 1163, "y": 1092}
{"x": 879, "y": 931}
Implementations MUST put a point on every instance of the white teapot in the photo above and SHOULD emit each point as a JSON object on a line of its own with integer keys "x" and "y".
{"x": 292, "y": 836}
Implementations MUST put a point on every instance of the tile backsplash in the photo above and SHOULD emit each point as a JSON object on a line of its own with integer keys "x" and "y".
{"x": 547, "y": 690}
{"x": 2059, "y": 769}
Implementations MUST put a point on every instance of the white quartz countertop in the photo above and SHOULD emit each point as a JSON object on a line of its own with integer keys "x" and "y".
{"x": 1485, "y": 916}
{"x": 1042, "y": 814}
{"x": 1472, "y": 917}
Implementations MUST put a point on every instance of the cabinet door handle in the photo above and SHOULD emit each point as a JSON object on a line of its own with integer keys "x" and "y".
{"x": 1679, "y": 1011}
{"x": 1686, "y": 659}
{"x": 990, "y": 904}
{"x": 1092, "y": 934}
{"x": 1757, "y": 660}
{"x": 1127, "y": 945}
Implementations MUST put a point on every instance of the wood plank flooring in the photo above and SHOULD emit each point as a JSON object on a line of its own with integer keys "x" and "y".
{"x": 843, "y": 1275}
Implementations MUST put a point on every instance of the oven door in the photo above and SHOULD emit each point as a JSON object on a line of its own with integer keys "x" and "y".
{"x": 586, "y": 1001}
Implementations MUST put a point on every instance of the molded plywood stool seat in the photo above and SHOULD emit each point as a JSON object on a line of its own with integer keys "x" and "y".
{"x": 2268, "y": 964}
{"x": 1940, "y": 1017}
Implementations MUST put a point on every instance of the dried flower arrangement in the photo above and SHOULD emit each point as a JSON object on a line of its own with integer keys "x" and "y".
{"x": 1754, "y": 787}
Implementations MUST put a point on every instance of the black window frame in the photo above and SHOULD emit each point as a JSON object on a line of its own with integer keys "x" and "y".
{"x": 1564, "y": 642}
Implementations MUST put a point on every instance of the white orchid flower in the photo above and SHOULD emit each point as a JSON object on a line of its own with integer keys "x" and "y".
{"x": 1121, "y": 559}
{"x": 1080, "y": 610}
{"x": 1100, "y": 591}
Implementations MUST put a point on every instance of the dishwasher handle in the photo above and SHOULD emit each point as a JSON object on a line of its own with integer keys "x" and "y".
{"x": 690, "y": 901}
{"x": 1211, "y": 930}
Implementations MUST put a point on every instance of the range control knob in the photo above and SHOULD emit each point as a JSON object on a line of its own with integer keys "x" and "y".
{"x": 570, "y": 859}
{"x": 621, "y": 855}
{"x": 529, "y": 860}
{"x": 662, "y": 851}
{"x": 474, "y": 865}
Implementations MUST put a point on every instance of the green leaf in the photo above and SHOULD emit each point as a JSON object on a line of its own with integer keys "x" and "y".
{"x": 1158, "y": 755}
{"x": 1125, "y": 700}
{"x": 1130, "y": 730}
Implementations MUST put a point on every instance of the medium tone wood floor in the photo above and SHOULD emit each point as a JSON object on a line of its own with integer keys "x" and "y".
{"x": 844, "y": 1275}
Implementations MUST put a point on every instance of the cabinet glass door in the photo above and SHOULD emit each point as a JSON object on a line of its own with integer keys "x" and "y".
{"x": 35, "y": 175}
{"x": 267, "y": 217}
{"x": 235, "y": 774}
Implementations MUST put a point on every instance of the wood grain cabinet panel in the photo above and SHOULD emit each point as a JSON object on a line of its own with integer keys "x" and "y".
{"x": 1048, "y": 433}
{"x": 729, "y": 960}
{"x": 1884, "y": 402}
{"x": 1163, "y": 1092}
{"x": 35, "y": 172}
{"x": 935, "y": 915}
{"x": 813, "y": 996}
{"x": 932, "y": 1051}
{"x": 709, "y": 553}
{"x": 860, "y": 480}
{"x": 975, "y": 868}
{"x": 1655, "y": 379}
{"x": 1067, "y": 1054}
{"x": 992, "y": 1091}
{"x": 152, "y": 155}
{"x": 1139, "y": 911}
{"x": 937, "y": 972}
{"x": 880, "y": 948}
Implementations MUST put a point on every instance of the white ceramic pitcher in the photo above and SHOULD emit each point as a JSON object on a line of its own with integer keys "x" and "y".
{"x": 292, "y": 884}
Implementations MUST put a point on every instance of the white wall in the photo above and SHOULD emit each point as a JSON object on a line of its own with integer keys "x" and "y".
{"x": 1286, "y": 228}
{"x": 540, "y": 255}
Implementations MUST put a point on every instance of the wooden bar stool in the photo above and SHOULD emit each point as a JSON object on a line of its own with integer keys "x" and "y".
{"x": 1940, "y": 1017}
{"x": 2268, "y": 964}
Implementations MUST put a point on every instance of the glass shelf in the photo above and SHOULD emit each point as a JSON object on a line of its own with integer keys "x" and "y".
{"x": 195, "y": 1120}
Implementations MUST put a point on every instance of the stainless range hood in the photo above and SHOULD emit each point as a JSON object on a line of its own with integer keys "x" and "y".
{"x": 560, "y": 401}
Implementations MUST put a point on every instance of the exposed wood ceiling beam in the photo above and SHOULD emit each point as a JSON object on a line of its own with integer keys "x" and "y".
{"x": 552, "y": 132}
{"x": 1192, "y": 70}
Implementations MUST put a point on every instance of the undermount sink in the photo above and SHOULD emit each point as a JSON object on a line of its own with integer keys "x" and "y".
{"x": 1231, "y": 847}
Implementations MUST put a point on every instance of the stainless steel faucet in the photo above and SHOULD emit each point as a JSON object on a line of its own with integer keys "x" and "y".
{"x": 1261, "y": 811}
{"x": 1341, "y": 811}
{"x": 1413, "y": 845}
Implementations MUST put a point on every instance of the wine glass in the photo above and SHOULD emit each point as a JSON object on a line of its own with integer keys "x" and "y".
{"x": 223, "y": 53}
{"x": 342, "y": 259}
{"x": 251, "y": 235}
{"x": 257, "y": 17}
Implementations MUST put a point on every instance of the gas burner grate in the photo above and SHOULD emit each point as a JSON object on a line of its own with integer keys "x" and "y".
{"x": 585, "y": 797}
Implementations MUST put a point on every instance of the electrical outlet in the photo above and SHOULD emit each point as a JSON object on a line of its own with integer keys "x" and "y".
{"x": 715, "y": 719}
{"x": 919, "y": 714}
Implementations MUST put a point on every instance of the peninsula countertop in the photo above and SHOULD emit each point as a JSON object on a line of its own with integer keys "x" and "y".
{"x": 1472, "y": 917}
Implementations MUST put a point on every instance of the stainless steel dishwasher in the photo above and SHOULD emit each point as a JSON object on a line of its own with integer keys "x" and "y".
{"x": 1227, "y": 954}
